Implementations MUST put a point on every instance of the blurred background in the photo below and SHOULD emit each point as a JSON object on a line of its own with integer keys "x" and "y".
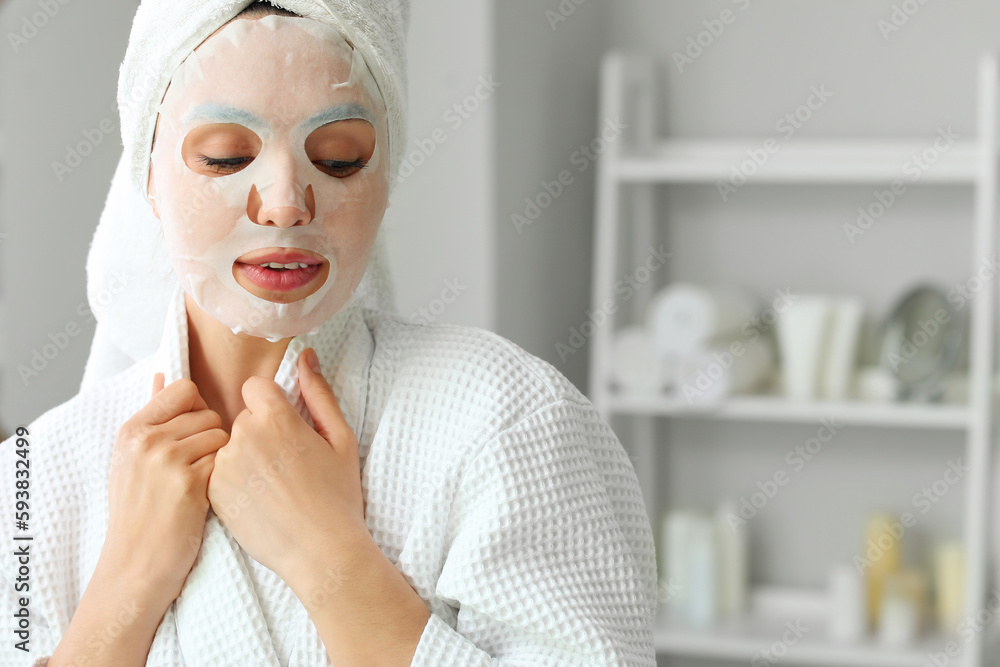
{"x": 628, "y": 190}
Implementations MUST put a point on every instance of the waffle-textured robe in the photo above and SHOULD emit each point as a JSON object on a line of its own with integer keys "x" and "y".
{"x": 491, "y": 483}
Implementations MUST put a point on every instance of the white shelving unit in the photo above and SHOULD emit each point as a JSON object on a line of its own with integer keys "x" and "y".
{"x": 772, "y": 608}
{"x": 628, "y": 172}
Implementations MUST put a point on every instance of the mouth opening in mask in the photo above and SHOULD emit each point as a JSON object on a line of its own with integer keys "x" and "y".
{"x": 281, "y": 275}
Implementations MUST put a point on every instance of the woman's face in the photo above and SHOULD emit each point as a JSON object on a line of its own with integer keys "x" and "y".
{"x": 270, "y": 174}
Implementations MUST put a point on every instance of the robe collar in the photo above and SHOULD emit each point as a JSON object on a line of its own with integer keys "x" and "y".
{"x": 343, "y": 344}
{"x": 218, "y": 619}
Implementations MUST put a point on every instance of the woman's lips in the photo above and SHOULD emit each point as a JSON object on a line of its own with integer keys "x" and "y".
{"x": 279, "y": 280}
{"x": 280, "y": 256}
{"x": 283, "y": 275}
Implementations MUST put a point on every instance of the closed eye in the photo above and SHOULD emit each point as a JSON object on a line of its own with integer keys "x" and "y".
{"x": 339, "y": 168}
{"x": 231, "y": 165}
{"x": 227, "y": 165}
{"x": 220, "y": 149}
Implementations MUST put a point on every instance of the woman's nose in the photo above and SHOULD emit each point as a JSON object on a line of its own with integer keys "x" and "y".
{"x": 282, "y": 202}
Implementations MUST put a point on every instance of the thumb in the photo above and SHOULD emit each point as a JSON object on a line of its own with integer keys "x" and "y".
{"x": 320, "y": 399}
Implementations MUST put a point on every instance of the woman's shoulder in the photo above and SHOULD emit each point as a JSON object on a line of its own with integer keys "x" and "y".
{"x": 471, "y": 360}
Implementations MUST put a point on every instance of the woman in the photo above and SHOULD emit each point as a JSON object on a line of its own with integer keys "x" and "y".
{"x": 293, "y": 478}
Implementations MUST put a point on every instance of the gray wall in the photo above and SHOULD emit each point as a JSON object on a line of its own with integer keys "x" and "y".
{"x": 57, "y": 90}
{"x": 438, "y": 229}
{"x": 546, "y": 110}
{"x": 918, "y": 78}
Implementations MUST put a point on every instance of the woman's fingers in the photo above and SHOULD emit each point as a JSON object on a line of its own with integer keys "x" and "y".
{"x": 322, "y": 403}
{"x": 203, "y": 446}
{"x": 179, "y": 397}
{"x": 158, "y": 483}
{"x": 199, "y": 403}
{"x": 191, "y": 423}
{"x": 204, "y": 466}
{"x": 157, "y": 385}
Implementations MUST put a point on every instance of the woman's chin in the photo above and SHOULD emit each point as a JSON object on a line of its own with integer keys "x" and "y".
{"x": 278, "y": 286}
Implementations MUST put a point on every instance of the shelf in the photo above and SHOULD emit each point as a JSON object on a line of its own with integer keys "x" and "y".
{"x": 780, "y": 410}
{"x": 803, "y": 161}
{"x": 744, "y": 638}
{"x": 627, "y": 220}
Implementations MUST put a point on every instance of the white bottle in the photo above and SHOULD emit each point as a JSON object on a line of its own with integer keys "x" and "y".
{"x": 848, "y": 605}
{"x": 703, "y": 569}
{"x": 802, "y": 336}
{"x": 731, "y": 539}
{"x": 675, "y": 539}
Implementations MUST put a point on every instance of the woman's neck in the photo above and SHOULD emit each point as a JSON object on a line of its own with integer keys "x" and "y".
{"x": 221, "y": 361}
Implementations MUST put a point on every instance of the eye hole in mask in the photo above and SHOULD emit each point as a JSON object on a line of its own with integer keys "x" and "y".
{"x": 339, "y": 149}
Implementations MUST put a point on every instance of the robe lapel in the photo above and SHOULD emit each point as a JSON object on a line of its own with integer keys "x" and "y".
{"x": 217, "y": 620}
{"x": 345, "y": 350}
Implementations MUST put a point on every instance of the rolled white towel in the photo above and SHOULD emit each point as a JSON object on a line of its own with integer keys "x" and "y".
{"x": 637, "y": 364}
{"x": 685, "y": 317}
{"x": 730, "y": 365}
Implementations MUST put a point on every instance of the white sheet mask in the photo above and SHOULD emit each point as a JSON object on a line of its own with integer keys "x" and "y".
{"x": 281, "y": 78}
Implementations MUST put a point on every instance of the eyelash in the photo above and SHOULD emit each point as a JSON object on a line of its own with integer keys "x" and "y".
{"x": 230, "y": 165}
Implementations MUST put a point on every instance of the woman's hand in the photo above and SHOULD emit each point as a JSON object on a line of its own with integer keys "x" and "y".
{"x": 158, "y": 487}
{"x": 286, "y": 492}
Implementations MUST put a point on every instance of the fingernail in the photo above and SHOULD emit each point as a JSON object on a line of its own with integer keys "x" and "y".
{"x": 313, "y": 361}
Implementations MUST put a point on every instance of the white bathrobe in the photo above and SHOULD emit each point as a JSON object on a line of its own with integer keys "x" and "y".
{"x": 491, "y": 483}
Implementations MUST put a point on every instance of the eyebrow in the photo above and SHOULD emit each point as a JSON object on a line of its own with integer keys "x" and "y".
{"x": 346, "y": 111}
{"x": 223, "y": 113}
